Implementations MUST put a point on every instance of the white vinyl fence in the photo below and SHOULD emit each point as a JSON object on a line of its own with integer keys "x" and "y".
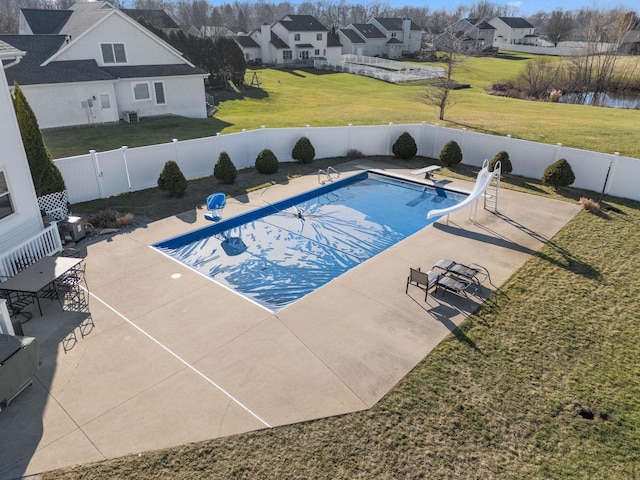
{"x": 103, "y": 174}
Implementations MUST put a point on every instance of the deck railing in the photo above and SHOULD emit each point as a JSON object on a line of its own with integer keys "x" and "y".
{"x": 47, "y": 242}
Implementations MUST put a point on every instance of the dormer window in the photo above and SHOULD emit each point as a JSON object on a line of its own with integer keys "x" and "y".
{"x": 113, "y": 53}
{"x": 296, "y": 37}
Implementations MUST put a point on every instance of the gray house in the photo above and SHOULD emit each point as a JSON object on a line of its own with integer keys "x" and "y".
{"x": 470, "y": 35}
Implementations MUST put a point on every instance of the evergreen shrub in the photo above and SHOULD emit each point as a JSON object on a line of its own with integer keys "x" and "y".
{"x": 505, "y": 163}
{"x": 171, "y": 180}
{"x": 303, "y": 151}
{"x": 405, "y": 146}
{"x": 451, "y": 154}
{"x": 267, "y": 162}
{"x": 225, "y": 170}
{"x": 558, "y": 174}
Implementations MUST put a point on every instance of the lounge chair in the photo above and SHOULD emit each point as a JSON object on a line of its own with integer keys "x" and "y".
{"x": 215, "y": 203}
{"x": 455, "y": 285}
{"x": 423, "y": 280}
{"x": 472, "y": 271}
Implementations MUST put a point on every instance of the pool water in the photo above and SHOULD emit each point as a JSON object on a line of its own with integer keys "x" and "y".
{"x": 279, "y": 253}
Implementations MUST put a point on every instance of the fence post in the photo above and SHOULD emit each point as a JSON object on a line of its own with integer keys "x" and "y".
{"x": 264, "y": 138}
{"x": 174, "y": 141}
{"x": 348, "y": 138}
{"x": 126, "y": 165}
{"x": 557, "y": 152}
{"x": 390, "y": 142}
{"x": 423, "y": 125}
{"x": 98, "y": 173}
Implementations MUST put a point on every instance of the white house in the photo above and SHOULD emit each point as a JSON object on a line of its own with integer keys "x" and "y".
{"x": 93, "y": 64}
{"x": 294, "y": 38}
{"x": 20, "y": 218}
{"x": 467, "y": 35}
{"x": 513, "y": 31}
{"x": 381, "y": 37}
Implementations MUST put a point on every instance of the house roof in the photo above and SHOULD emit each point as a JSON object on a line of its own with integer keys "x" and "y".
{"x": 333, "y": 41}
{"x": 157, "y": 18}
{"x": 304, "y": 45}
{"x": 516, "y": 22}
{"x": 302, "y": 23}
{"x": 480, "y": 24}
{"x": 277, "y": 42}
{"x": 352, "y": 35}
{"x": 368, "y": 31}
{"x": 395, "y": 23}
{"x": 393, "y": 40}
{"x": 245, "y": 41}
{"x": 45, "y": 21}
{"x": 9, "y": 51}
{"x": 39, "y": 48}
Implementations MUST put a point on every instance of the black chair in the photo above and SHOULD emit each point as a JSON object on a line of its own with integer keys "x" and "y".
{"x": 423, "y": 280}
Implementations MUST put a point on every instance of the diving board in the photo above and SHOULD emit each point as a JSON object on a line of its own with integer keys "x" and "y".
{"x": 428, "y": 171}
{"x": 482, "y": 182}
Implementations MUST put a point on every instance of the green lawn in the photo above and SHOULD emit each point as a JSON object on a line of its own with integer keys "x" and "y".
{"x": 318, "y": 98}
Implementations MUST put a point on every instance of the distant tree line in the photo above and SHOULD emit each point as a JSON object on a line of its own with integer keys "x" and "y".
{"x": 245, "y": 16}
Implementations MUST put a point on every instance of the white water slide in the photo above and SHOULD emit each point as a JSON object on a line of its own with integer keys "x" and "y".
{"x": 479, "y": 189}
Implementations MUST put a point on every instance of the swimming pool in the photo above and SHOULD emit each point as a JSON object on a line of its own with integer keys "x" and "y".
{"x": 279, "y": 253}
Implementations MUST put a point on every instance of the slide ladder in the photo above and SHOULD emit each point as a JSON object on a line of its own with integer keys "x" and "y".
{"x": 328, "y": 175}
{"x": 491, "y": 193}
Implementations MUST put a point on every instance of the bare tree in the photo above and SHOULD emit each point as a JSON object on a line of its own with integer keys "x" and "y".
{"x": 559, "y": 26}
{"x": 438, "y": 93}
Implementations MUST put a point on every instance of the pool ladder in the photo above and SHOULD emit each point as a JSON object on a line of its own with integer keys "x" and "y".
{"x": 328, "y": 175}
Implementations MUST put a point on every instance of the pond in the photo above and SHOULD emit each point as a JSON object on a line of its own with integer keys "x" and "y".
{"x": 612, "y": 100}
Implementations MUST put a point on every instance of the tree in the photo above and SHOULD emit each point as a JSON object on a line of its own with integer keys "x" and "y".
{"x": 558, "y": 174}
{"x": 228, "y": 61}
{"x": 438, "y": 93}
{"x": 505, "y": 163}
{"x": 303, "y": 151}
{"x": 171, "y": 180}
{"x": 451, "y": 154}
{"x": 559, "y": 26}
{"x": 267, "y": 162}
{"x": 46, "y": 176}
{"x": 224, "y": 169}
{"x": 405, "y": 146}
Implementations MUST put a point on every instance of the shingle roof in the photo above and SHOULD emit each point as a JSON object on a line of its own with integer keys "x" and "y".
{"x": 245, "y": 41}
{"x": 516, "y": 22}
{"x": 45, "y": 21}
{"x": 277, "y": 42}
{"x": 9, "y": 51}
{"x": 368, "y": 31}
{"x": 393, "y": 40}
{"x": 352, "y": 35}
{"x": 480, "y": 25}
{"x": 40, "y": 47}
{"x": 302, "y": 23}
{"x": 333, "y": 41}
{"x": 157, "y": 18}
{"x": 395, "y": 23}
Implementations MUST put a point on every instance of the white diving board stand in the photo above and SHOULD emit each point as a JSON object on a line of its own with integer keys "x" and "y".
{"x": 428, "y": 171}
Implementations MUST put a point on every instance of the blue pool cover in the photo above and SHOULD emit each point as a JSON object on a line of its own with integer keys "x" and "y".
{"x": 277, "y": 254}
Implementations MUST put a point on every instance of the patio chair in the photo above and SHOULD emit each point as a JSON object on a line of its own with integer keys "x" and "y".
{"x": 473, "y": 271}
{"x": 215, "y": 203}
{"x": 17, "y": 302}
{"x": 454, "y": 285}
{"x": 423, "y": 280}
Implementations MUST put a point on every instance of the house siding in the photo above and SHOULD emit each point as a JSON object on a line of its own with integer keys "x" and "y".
{"x": 26, "y": 220}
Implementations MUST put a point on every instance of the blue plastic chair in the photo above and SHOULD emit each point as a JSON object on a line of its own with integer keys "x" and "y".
{"x": 215, "y": 203}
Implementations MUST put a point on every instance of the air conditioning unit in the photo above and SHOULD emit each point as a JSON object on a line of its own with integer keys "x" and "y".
{"x": 130, "y": 117}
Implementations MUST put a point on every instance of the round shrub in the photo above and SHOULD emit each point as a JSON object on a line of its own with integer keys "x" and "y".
{"x": 505, "y": 163}
{"x": 171, "y": 180}
{"x": 303, "y": 151}
{"x": 225, "y": 170}
{"x": 558, "y": 174}
{"x": 267, "y": 162}
{"x": 405, "y": 146}
{"x": 450, "y": 154}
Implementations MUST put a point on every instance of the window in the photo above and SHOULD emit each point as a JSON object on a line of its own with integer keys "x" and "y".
{"x": 113, "y": 53}
{"x": 141, "y": 91}
{"x": 304, "y": 54}
{"x": 286, "y": 55}
{"x": 158, "y": 87}
{"x": 6, "y": 207}
{"x": 104, "y": 101}
{"x": 296, "y": 37}
{"x": 317, "y": 52}
{"x": 393, "y": 34}
{"x": 319, "y": 36}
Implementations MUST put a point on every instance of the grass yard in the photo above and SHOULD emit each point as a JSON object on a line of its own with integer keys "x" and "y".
{"x": 542, "y": 381}
{"x": 321, "y": 98}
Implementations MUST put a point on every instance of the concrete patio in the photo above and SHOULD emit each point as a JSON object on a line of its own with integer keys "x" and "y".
{"x": 176, "y": 358}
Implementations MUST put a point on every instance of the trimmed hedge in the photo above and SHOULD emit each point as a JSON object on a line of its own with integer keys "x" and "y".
{"x": 505, "y": 163}
{"x": 303, "y": 151}
{"x": 451, "y": 154}
{"x": 405, "y": 146}
{"x": 225, "y": 170}
{"x": 558, "y": 174}
{"x": 267, "y": 162}
{"x": 171, "y": 180}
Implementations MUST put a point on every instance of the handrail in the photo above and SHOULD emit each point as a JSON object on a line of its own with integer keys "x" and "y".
{"x": 327, "y": 175}
{"x": 45, "y": 243}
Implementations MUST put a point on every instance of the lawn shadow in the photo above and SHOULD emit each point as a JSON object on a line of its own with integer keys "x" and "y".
{"x": 443, "y": 313}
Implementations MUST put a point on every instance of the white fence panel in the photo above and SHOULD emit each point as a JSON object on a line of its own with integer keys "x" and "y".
{"x": 590, "y": 168}
{"x": 234, "y": 145}
{"x": 80, "y": 176}
{"x": 478, "y": 147}
{"x": 445, "y": 135}
{"x": 197, "y": 157}
{"x": 529, "y": 159}
{"x": 146, "y": 163}
{"x": 281, "y": 142}
{"x": 329, "y": 142}
{"x": 624, "y": 178}
{"x": 113, "y": 176}
{"x": 373, "y": 140}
